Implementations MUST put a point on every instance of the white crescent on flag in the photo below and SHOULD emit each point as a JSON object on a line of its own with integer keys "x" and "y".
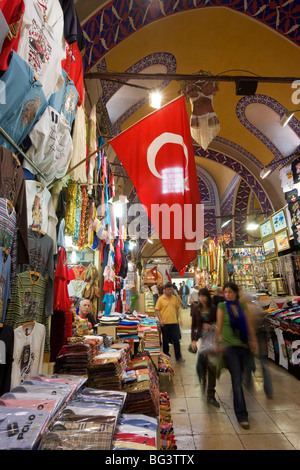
{"x": 155, "y": 146}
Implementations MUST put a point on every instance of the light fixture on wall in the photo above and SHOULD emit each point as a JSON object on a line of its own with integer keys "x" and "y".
{"x": 119, "y": 201}
{"x": 155, "y": 99}
{"x": 286, "y": 117}
{"x": 266, "y": 170}
{"x": 226, "y": 221}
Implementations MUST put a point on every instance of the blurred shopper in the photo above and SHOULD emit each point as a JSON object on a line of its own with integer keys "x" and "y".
{"x": 203, "y": 319}
{"x": 184, "y": 292}
{"x": 257, "y": 319}
{"x": 235, "y": 337}
{"x": 167, "y": 310}
{"x": 218, "y": 296}
{"x": 154, "y": 291}
{"x": 193, "y": 296}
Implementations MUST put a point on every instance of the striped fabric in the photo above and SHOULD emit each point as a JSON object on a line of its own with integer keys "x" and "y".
{"x": 27, "y": 303}
{"x": 8, "y": 234}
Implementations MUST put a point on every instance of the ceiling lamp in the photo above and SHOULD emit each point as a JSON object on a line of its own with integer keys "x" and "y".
{"x": 119, "y": 201}
{"x": 150, "y": 241}
{"x": 286, "y": 117}
{"x": 253, "y": 225}
{"x": 226, "y": 221}
{"x": 155, "y": 99}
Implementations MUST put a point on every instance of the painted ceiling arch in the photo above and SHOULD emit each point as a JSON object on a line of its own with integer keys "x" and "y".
{"x": 117, "y": 20}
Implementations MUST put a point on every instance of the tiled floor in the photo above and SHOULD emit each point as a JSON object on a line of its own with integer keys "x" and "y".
{"x": 274, "y": 423}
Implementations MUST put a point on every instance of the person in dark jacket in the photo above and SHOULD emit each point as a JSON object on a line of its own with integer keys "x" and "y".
{"x": 203, "y": 318}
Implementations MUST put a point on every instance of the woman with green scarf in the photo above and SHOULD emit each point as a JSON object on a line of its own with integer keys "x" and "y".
{"x": 236, "y": 339}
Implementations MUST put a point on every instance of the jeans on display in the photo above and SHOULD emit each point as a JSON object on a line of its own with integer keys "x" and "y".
{"x": 171, "y": 334}
{"x": 237, "y": 359}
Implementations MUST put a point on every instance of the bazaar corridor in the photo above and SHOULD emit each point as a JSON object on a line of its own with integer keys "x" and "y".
{"x": 274, "y": 423}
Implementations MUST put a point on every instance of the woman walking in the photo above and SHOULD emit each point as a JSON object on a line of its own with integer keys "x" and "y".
{"x": 203, "y": 318}
{"x": 235, "y": 338}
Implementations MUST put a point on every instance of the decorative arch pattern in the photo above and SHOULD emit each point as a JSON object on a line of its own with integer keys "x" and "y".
{"x": 273, "y": 104}
{"x": 119, "y": 19}
{"x": 241, "y": 207}
{"x": 242, "y": 171}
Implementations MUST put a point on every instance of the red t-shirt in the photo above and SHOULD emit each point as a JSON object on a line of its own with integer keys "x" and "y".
{"x": 13, "y": 12}
{"x": 74, "y": 68}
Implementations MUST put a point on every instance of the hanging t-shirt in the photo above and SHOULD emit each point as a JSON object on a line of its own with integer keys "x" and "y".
{"x": 40, "y": 209}
{"x": 5, "y": 283}
{"x": 73, "y": 66}
{"x": 24, "y": 102}
{"x": 13, "y": 11}
{"x": 108, "y": 286}
{"x": 42, "y": 43}
{"x": 41, "y": 261}
{"x": 28, "y": 354}
{"x": 61, "y": 280}
{"x": 65, "y": 100}
{"x": 51, "y": 148}
{"x": 295, "y": 167}
{"x": 12, "y": 187}
{"x": 109, "y": 300}
{"x": 7, "y": 338}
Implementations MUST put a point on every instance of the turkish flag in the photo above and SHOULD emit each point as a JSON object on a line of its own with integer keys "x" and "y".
{"x": 157, "y": 154}
{"x": 154, "y": 272}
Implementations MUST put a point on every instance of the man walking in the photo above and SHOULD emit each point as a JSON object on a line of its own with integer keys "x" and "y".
{"x": 167, "y": 310}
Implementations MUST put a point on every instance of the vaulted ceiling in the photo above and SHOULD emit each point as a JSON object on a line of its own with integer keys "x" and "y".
{"x": 220, "y": 37}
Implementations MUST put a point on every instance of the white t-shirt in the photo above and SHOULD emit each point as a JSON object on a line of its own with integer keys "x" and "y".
{"x": 28, "y": 353}
{"x": 40, "y": 209}
{"x": 42, "y": 43}
{"x": 52, "y": 147}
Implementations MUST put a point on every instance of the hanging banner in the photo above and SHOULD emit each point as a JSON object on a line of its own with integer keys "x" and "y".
{"x": 157, "y": 154}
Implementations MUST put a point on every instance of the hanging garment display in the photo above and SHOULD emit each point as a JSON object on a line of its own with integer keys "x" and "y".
{"x": 61, "y": 280}
{"x": 79, "y": 147}
{"x": 29, "y": 343}
{"x": 40, "y": 209}
{"x": 51, "y": 148}
{"x": 7, "y": 339}
{"x": 12, "y": 11}
{"x": 42, "y": 43}
{"x": 25, "y": 101}
{"x": 204, "y": 121}
{"x": 72, "y": 29}
{"x": 65, "y": 100}
{"x": 73, "y": 66}
{"x": 28, "y": 302}
{"x": 41, "y": 261}
{"x": 4, "y": 29}
{"x": 5, "y": 283}
{"x": 12, "y": 188}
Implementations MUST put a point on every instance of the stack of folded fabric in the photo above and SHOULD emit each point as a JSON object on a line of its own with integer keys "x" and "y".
{"x": 142, "y": 394}
{"x": 167, "y": 437}
{"x": 128, "y": 328}
{"x": 111, "y": 320}
{"x": 75, "y": 356}
{"x": 105, "y": 371}
{"x": 136, "y": 432}
{"x": 88, "y": 422}
{"x": 164, "y": 364}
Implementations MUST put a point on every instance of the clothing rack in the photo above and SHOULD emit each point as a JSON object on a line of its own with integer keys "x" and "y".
{"x": 21, "y": 152}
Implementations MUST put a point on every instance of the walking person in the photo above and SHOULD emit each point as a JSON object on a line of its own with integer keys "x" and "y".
{"x": 235, "y": 338}
{"x": 167, "y": 310}
{"x": 203, "y": 319}
{"x": 193, "y": 297}
{"x": 154, "y": 291}
{"x": 184, "y": 296}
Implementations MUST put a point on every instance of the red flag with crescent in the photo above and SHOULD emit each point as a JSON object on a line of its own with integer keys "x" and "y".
{"x": 157, "y": 154}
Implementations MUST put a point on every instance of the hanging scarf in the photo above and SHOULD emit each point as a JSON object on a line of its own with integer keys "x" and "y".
{"x": 237, "y": 321}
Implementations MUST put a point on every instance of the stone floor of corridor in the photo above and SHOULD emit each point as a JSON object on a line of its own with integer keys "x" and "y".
{"x": 274, "y": 423}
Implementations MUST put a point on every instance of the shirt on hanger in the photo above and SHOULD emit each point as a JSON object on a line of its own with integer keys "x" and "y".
{"x": 12, "y": 187}
{"x": 7, "y": 337}
{"x": 28, "y": 354}
{"x": 40, "y": 209}
{"x": 25, "y": 101}
{"x": 65, "y": 100}
{"x": 5, "y": 283}
{"x": 51, "y": 148}
{"x": 41, "y": 42}
{"x": 13, "y": 11}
